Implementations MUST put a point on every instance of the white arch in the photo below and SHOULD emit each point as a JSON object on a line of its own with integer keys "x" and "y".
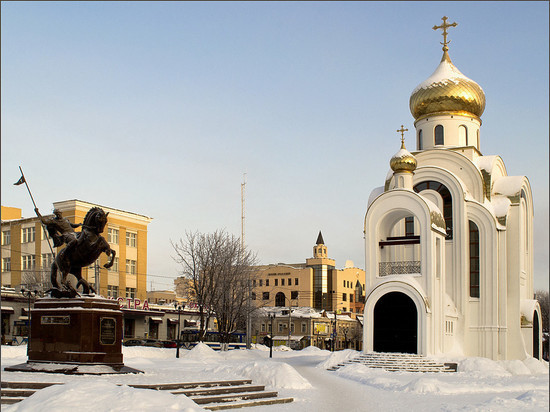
{"x": 413, "y": 290}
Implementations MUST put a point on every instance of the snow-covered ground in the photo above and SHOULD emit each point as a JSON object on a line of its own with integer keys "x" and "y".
{"x": 479, "y": 385}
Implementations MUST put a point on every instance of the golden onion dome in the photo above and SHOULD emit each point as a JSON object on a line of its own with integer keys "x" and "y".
{"x": 447, "y": 90}
{"x": 403, "y": 160}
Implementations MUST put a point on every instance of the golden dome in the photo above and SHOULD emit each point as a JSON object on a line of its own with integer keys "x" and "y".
{"x": 447, "y": 90}
{"x": 403, "y": 160}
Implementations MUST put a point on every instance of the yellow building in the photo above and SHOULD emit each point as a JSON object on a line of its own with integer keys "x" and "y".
{"x": 27, "y": 257}
{"x": 316, "y": 284}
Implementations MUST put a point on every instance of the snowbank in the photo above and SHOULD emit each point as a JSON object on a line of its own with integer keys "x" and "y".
{"x": 104, "y": 396}
{"x": 338, "y": 357}
{"x": 267, "y": 372}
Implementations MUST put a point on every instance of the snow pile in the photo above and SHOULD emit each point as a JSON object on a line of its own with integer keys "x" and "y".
{"x": 147, "y": 352}
{"x": 338, "y": 357}
{"x": 202, "y": 352}
{"x": 104, "y": 396}
{"x": 274, "y": 374}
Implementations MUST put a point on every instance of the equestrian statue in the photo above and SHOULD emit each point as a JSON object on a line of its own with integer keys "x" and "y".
{"x": 82, "y": 249}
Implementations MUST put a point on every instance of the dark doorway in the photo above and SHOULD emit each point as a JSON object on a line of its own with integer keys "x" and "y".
{"x": 395, "y": 324}
{"x": 280, "y": 299}
{"x": 536, "y": 353}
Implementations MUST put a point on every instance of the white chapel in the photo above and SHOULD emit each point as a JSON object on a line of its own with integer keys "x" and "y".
{"x": 449, "y": 237}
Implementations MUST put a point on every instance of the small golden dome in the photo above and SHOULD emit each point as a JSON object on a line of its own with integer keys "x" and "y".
{"x": 447, "y": 90}
{"x": 403, "y": 160}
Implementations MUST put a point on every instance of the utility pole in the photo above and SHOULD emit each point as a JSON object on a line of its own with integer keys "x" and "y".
{"x": 249, "y": 281}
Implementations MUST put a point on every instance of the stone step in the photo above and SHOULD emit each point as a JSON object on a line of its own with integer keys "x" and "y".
{"x": 274, "y": 401}
{"x": 221, "y": 390}
{"x": 191, "y": 385}
{"x": 10, "y": 401}
{"x": 25, "y": 393}
{"x": 398, "y": 362}
{"x": 201, "y": 400}
{"x": 28, "y": 385}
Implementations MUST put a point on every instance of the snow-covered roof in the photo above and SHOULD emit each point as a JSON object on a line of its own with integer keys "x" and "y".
{"x": 374, "y": 194}
{"x": 509, "y": 186}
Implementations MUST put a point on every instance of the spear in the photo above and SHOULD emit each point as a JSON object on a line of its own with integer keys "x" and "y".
{"x": 20, "y": 182}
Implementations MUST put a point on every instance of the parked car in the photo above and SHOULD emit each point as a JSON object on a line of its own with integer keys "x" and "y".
{"x": 133, "y": 342}
{"x": 153, "y": 343}
{"x": 169, "y": 344}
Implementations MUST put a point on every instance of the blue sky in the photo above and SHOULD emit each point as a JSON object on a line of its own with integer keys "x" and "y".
{"x": 159, "y": 108}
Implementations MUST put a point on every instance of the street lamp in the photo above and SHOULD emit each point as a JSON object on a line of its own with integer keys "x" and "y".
{"x": 271, "y": 317}
{"x": 29, "y": 294}
{"x": 178, "y": 308}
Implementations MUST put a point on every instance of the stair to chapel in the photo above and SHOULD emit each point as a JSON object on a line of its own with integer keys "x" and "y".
{"x": 398, "y": 362}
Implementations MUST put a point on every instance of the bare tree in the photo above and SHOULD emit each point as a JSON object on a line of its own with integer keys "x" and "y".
{"x": 544, "y": 301}
{"x": 218, "y": 270}
{"x": 35, "y": 279}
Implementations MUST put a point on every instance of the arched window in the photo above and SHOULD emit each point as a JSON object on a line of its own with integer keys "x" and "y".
{"x": 474, "y": 259}
{"x": 280, "y": 299}
{"x": 478, "y": 148}
{"x": 439, "y": 140}
{"x": 420, "y": 143}
{"x": 447, "y": 202}
{"x": 462, "y": 135}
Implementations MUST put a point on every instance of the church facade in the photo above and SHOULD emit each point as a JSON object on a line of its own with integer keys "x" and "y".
{"x": 449, "y": 237}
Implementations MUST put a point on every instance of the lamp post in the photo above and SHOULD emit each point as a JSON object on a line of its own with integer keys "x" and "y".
{"x": 29, "y": 294}
{"x": 271, "y": 317}
{"x": 178, "y": 308}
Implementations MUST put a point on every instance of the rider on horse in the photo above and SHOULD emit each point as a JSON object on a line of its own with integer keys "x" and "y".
{"x": 60, "y": 229}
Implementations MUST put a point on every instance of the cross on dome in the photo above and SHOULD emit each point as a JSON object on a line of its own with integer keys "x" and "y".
{"x": 402, "y": 131}
{"x": 444, "y": 26}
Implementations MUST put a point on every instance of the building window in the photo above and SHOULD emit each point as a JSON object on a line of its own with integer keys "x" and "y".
{"x": 28, "y": 262}
{"x": 295, "y": 281}
{"x": 304, "y": 327}
{"x": 261, "y": 282}
{"x": 112, "y": 291}
{"x": 6, "y": 264}
{"x": 130, "y": 292}
{"x": 131, "y": 266}
{"x": 462, "y": 135}
{"x": 276, "y": 282}
{"x": 439, "y": 140}
{"x": 267, "y": 282}
{"x": 265, "y": 296}
{"x": 253, "y": 283}
{"x": 27, "y": 234}
{"x": 263, "y": 327}
{"x": 131, "y": 239}
{"x": 6, "y": 237}
{"x": 447, "y": 202}
{"x": 351, "y": 297}
{"x": 474, "y": 260}
{"x": 47, "y": 260}
{"x": 282, "y": 282}
{"x": 114, "y": 268}
{"x": 281, "y": 327}
{"x": 112, "y": 236}
{"x": 253, "y": 295}
{"x": 344, "y": 283}
{"x": 420, "y": 142}
{"x": 280, "y": 299}
{"x": 294, "y": 294}
{"x": 344, "y": 297}
{"x": 409, "y": 226}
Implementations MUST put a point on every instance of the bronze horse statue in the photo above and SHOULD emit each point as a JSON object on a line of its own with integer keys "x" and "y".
{"x": 88, "y": 247}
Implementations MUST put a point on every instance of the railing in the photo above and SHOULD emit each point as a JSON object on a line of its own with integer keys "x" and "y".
{"x": 399, "y": 268}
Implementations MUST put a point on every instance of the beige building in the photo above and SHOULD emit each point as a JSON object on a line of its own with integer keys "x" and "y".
{"x": 316, "y": 284}
{"x": 308, "y": 327}
{"x": 27, "y": 256}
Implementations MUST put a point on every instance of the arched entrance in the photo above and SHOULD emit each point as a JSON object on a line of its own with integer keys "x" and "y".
{"x": 280, "y": 299}
{"x": 536, "y": 353}
{"x": 395, "y": 324}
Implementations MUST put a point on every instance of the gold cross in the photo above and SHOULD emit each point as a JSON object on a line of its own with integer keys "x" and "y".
{"x": 402, "y": 131}
{"x": 444, "y": 26}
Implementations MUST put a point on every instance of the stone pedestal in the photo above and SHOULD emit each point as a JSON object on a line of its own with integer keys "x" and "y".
{"x": 73, "y": 335}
